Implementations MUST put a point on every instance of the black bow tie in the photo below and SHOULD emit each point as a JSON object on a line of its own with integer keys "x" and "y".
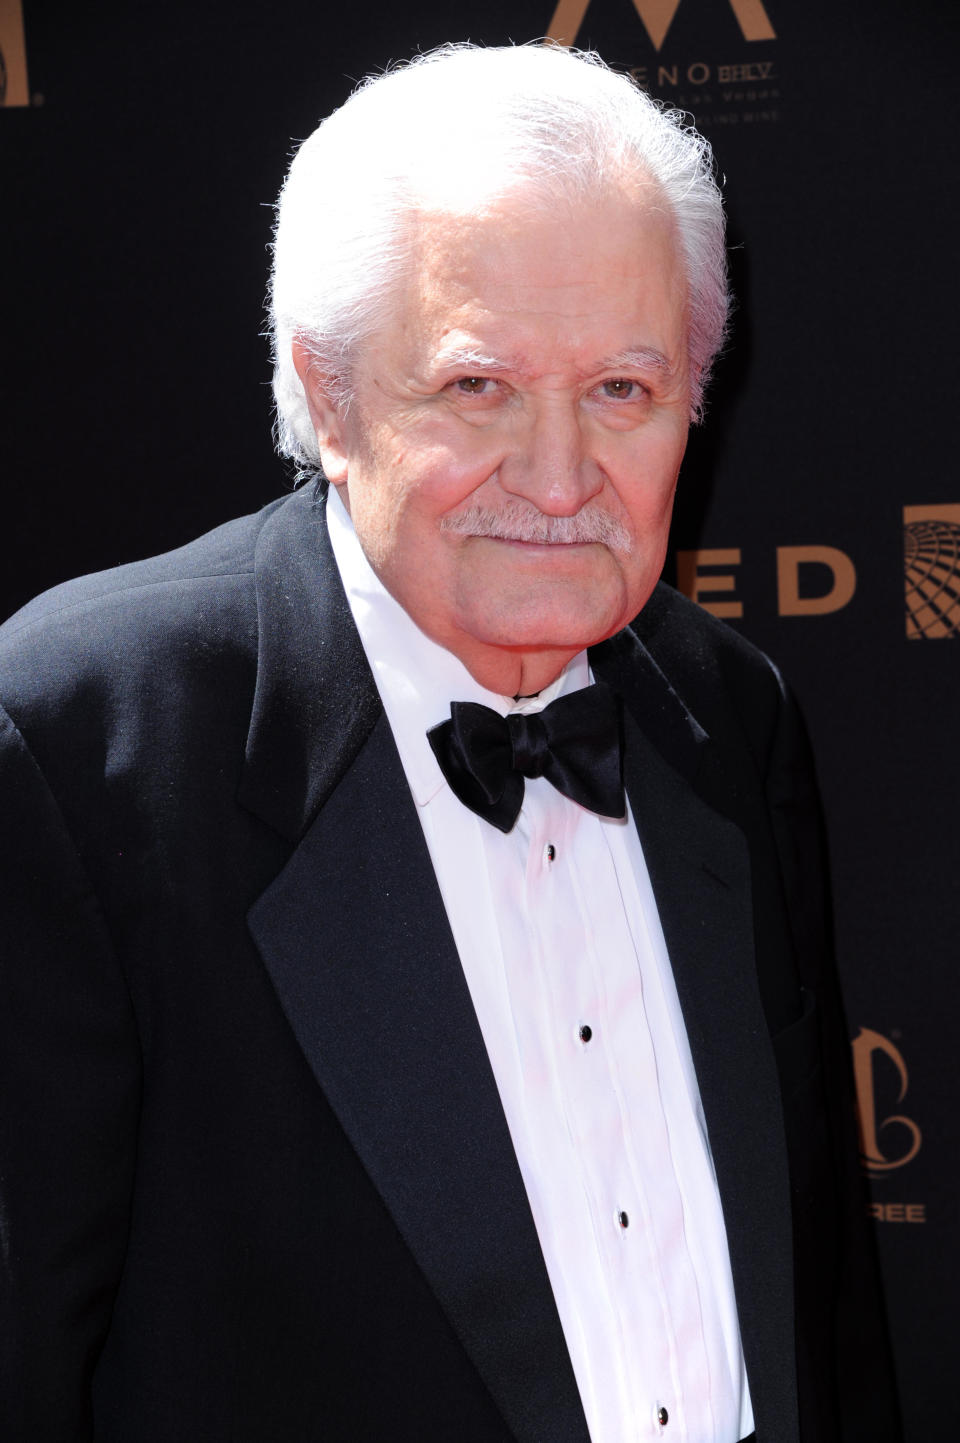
{"x": 574, "y": 742}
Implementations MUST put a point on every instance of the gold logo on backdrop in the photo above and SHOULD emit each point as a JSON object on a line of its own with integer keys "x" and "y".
{"x": 657, "y": 17}
{"x": 874, "y": 1054}
{"x": 840, "y": 586}
{"x": 820, "y": 580}
{"x": 931, "y": 553}
{"x": 833, "y": 586}
{"x": 13, "y": 55}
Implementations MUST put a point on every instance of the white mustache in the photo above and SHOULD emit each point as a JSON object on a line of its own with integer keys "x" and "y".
{"x": 515, "y": 521}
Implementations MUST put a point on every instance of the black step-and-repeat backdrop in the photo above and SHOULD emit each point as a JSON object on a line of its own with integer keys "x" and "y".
{"x": 141, "y": 145}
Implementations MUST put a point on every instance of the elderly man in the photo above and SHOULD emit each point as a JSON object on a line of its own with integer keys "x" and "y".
{"x": 375, "y": 1066}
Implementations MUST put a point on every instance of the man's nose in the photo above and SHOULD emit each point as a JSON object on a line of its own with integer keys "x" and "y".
{"x": 549, "y": 463}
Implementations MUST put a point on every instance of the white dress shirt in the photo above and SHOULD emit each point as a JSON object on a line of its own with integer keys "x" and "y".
{"x": 561, "y": 945}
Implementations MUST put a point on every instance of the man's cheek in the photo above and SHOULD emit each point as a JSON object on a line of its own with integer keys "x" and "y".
{"x": 453, "y": 474}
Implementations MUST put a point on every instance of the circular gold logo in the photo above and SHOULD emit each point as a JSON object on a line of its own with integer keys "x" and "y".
{"x": 932, "y": 554}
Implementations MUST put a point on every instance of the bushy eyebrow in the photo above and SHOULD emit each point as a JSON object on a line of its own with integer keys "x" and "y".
{"x": 644, "y": 359}
{"x": 470, "y": 359}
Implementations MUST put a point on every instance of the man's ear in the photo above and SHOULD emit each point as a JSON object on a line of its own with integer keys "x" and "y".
{"x": 324, "y": 414}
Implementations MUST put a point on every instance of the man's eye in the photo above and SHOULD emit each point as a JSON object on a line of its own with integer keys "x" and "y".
{"x": 621, "y": 389}
{"x": 474, "y": 385}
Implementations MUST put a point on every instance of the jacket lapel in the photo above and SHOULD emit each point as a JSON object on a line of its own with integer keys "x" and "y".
{"x": 355, "y": 938}
{"x": 700, "y": 868}
{"x": 315, "y": 701}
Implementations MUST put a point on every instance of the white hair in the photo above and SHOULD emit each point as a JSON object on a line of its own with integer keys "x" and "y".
{"x": 452, "y": 131}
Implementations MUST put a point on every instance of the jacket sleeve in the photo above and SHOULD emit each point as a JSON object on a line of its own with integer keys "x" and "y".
{"x": 69, "y": 1104}
{"x": 855, "y": 1331}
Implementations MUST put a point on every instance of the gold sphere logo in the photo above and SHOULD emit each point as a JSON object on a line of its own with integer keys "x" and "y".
{"x": 931, "y": 546}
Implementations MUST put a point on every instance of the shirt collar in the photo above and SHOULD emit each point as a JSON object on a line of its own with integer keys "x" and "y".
{"x": 416, "y": 677}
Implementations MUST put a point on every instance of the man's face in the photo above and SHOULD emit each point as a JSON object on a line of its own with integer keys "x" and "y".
{"x": 511, "y": 454}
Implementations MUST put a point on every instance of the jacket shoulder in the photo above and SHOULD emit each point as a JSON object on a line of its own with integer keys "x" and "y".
{"x": 676, "y": 628}
{"x": 226, "y": 551}
{"x": 112, "y": 627}
{"x": 732, "y": 687}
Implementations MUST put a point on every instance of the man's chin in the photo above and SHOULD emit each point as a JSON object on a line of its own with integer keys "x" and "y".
{"x": 512, "y": 611}
{"x": 551, "y": 633}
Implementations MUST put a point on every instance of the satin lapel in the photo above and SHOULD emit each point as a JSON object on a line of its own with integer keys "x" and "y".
{"x": 357, "y": 943}
{"x": 355, "y": 939}
{"x": 699, "y": 866}
{"x": 315, "y": 701}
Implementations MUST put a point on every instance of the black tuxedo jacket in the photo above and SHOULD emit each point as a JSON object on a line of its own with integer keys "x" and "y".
{"x": 255, "y": 1180}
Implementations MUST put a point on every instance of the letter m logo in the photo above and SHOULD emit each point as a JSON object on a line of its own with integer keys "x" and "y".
{"x": 657, "y": 17}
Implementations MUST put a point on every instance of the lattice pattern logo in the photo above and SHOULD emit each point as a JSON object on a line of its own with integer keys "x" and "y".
{"x": 931, "y": 547}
